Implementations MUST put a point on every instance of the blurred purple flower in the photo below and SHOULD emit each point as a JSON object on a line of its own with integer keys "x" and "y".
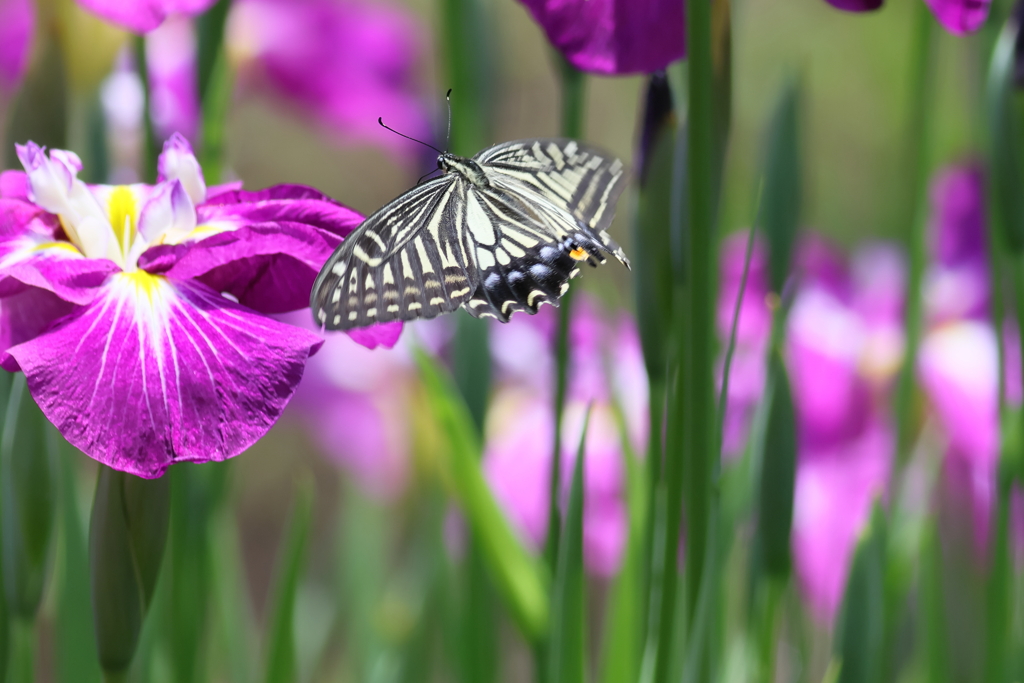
{"x": 856, "y": 5}
{"x": 142, "y": 16}
{"x": 614, "y": 36}
{"x": 844, "y": 345}
{"x": 17, "y": 23}
{"x": 345, "y": 62}
{"x": 137, "y": 311}
{"x": 174, "y": 89}
{"x": 748, "y": 373}
{"x": 354, "y": 401}
{"x": 520, "y": 425}
{"x": 957, "y": 283}
{"x": 958, "y": 364}
{"x": 960, "y": 17}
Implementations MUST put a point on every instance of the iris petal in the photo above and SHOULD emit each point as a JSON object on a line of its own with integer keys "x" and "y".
{"x": 156, "y": 371}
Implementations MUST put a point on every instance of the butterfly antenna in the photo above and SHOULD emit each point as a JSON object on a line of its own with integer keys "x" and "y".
{"x": 380, "y": 120}
{"x": 448, "y": 98}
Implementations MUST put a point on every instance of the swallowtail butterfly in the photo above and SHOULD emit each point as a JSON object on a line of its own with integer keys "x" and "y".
{"x": 499, "y": 233}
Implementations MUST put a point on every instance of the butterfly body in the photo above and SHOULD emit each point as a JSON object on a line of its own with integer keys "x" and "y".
{"x": 498, "y": 233}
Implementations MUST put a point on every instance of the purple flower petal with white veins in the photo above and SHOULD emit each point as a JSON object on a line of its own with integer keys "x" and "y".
{"x": 157, "y": 371}
{"x": 269, "y": 267}
{"x": 614, "y": 36}
{"x": 26, "y": 315}
{"x": 142, "y": 16}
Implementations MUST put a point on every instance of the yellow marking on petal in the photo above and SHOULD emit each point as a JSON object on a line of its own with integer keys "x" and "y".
{"x": 64, "y": 246}
{"x": 200, "y": 232}
{"x": 123, "y": 210}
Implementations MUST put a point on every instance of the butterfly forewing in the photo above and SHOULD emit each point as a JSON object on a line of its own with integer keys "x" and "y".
{"x": 496, "y": 247}
{"x": 404, "y": 262}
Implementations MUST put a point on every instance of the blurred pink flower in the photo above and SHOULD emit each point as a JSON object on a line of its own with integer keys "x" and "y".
{"x": 343, "y": 62}
{"x": 353, "y": 402}
{"x": 520, "y": 425}
{"x": 174, "y": 94}
{"x": 142, "y": 16}
{"x": 958, "y": 364}
{"x": 17, "y": 23}
{"x": 748, "y": 372}
{"x": 614, "y": 36}
{"x": 843, "y": 347}
{"x": 960, "y": 17}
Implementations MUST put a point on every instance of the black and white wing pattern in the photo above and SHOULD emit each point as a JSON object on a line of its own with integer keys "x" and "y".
{"x": 574, "y": 176}
{"x": 406, "y": 261}
{"x": 500, "y": 233}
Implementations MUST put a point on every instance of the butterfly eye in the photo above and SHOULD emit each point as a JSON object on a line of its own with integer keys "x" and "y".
{"x": 439, "y": 164}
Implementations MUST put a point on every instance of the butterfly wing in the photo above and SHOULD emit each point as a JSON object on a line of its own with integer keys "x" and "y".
{"x": 578, "y": 178}
{"x": 405, "y": 261}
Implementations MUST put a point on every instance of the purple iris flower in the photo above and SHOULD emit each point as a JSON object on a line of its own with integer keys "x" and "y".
{"x": 346, "y": 63}
{"x": 959, "y": 359}
{"x": 520, "y": 426}
{"x": 142, "y": 16}
{"x": 137, "y": 312}
{"x": 843, "y": 347}
{"x": 960, "y": 17}
{"x": 614, "y": 36}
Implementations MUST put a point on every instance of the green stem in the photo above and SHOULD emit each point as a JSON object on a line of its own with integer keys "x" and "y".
{"x": 572, "y": 127}
{"x": 150, "y": 147}
{"x": 23, "y": 651}
{"x": 999, "y": 588}
{"x": 689, "y": 471}
{"x": 918, "y": 136}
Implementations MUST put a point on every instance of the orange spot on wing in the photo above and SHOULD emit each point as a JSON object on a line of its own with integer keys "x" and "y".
{"x": 579, "y": 254}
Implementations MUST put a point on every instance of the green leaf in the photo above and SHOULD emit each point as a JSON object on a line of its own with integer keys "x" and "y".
{"x": 1005, "y": 136}
{"x": 280, "y": 641}
{"x": 782, "y": 184}
{"x": 520, "y": 578}
{"x": 234, "y": 619}
{"x": 187, "y": 572}
{"x": 27, "y": 463}
{"x": 623, "y": 626}
{"x": 862, "y": 619}
{"x": 778, "y": 473}
{"x": 127, "y": 535}
{"x": 565, "y": 654}
{"x": 652, "y": 245}
{"x": 75, "y": 638}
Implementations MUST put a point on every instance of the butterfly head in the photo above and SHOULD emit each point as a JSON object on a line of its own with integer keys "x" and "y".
{"x": 469, "y": 169}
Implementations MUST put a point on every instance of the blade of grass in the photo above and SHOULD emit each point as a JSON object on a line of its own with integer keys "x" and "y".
{"x": 861, "y": 621}
{"x": 280, "y": 640}
{"x": 566, "y": 644}
{"x": 75, "y": 658}
{"x": 520, "y": 578}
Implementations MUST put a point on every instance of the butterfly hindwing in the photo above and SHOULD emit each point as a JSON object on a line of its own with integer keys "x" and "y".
{"x": 404, "y": 262}
{"x": 576, "y": 177}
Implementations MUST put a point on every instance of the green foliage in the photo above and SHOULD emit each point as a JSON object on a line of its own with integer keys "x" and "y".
{"x": 280, "y": 639}
{"x": 566, "y": 644}
{"x": 520, "y": 578}
{"x": 782, "y": 184}
{"x": 127, "y": 535}
{"x": 861, "y": 621}
{"x": 28, "y": 499}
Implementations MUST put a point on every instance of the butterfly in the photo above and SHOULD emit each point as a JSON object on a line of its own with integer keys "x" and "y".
{"x": 498, "y": 233}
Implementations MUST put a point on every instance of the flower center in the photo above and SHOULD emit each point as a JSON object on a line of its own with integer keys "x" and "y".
{"x": 123, "y": 210}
